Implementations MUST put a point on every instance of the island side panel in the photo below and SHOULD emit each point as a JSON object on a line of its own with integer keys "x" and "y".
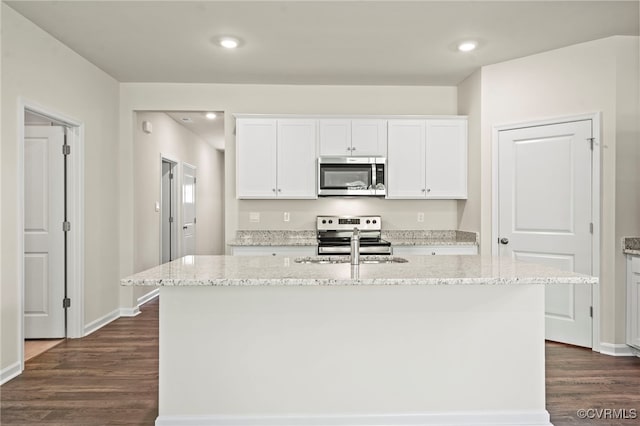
{"x": 351, "y": 350}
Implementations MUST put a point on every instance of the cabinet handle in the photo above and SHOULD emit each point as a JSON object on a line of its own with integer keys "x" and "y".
{"x": 423, "y": 190}
{"x": 279, "y": 190}
{"x": 428, "y": 189}
{"x": 433, "y": 253}
{"x": 273, "y": 189}
{"x": 353, "y": 148}
{"x": 348, "y": 148}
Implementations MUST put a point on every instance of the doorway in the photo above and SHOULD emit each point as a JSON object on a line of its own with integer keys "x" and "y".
{"x": 168, "y": 209}
{"x": 51, "y": 215}
{"x": 188, "y": 209}
{"x": 546, "y": 187}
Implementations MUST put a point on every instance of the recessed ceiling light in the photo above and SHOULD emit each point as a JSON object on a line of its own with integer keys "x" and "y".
{"x": 467, "y": 46}
{"x": 186, "y": 120}
{"x": 229, "y": 42}
{"x": 210, "y": 115}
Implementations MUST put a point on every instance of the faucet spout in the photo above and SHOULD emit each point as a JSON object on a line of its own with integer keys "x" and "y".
{"x": 355, "y": 247}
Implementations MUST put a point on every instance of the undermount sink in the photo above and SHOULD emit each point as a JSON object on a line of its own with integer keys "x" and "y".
{"x": 371, "y": 259}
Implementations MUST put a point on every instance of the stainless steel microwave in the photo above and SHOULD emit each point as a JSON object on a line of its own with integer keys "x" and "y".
{"x": 351, "y": 176}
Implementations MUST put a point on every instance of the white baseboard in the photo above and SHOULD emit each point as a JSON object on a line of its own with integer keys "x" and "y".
{"x": 616, "y": 349}
{"x": 101, "y": 322}
{"x": 130, "y": 312}
{"x": 10, "y": 372}
{"x": 496, "y": 418}
{"x": 149, "y": 296}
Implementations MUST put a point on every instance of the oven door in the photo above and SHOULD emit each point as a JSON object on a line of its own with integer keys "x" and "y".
{"x": 351, "y": 176}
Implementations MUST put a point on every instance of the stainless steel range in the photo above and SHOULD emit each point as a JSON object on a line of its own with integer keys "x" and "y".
{"x": 334, "y": 235}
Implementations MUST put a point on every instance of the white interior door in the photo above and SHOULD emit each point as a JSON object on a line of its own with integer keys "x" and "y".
{"x": 44, "y": 256}
{"x": 545, "y": 215}
{"x": 188, "y": 209}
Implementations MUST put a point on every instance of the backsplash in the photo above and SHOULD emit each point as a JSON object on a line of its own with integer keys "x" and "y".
{"x": 396, "y": 214}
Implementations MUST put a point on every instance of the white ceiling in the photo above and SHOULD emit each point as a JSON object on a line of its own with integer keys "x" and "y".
{"x": 211, "y": 131}
{"x": 319, "y": 42}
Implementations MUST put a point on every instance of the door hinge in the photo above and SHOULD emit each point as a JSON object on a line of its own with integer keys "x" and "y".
{"x": 66, "y": 302}
{"x": 66, "y": 149}
{"x": 194, "y": 181}
{"x": 170, "y": 175}
{"x": 66, "y": 226}
{"x": 591, "y": 227}
{"x": 591, "y": 311}
{"x": 171, "y": 220}
{"x": 194, "y": 220}
{"x": 591, "y": 141}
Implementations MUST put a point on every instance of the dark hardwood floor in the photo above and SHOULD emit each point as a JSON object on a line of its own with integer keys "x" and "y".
{"x": 111, "y": 378}
{"x": 107, "y": 378}
{"x": 579, "y": 378}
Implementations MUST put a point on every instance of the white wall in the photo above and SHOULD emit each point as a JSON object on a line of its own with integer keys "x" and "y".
{"x": 469, "y": 104}
{"x": 285, "y": 100}
{"x": 170, "y": 139}
{"x": 40, "y": 69}
{"x": 598, "y": 76}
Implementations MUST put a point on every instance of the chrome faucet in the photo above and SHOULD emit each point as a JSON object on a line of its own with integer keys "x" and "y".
{"x": 355, "y": 247}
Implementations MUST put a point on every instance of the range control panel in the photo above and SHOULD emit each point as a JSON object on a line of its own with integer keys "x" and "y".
{"x": 338, "y": 223}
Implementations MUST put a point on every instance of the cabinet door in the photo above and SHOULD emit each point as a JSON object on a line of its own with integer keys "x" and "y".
{"x": 291, "y": 251}
{"x": 335, "y": 138}
{"x": 405, "y": 159}
{"x": 435, "y": 250}
{"x": 296, "y": 171}
{"x": 446, "y": 159}
{"x": 369, "y": 138}
{"x": 256, "y": 158}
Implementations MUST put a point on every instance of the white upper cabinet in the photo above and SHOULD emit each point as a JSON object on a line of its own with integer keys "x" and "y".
{"x": 446, "y": 159}
{"x": 405, "y": 159}
{"x": 256, "y": 158}
{"x": 335, "y": 137}
{"x": 296, "y": 171}
{"x": 276, "y": 158}
{"x": 356, "y": 137}
{"x": 427, "y": 159}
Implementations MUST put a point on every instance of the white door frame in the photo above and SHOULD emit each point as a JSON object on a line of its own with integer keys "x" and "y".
{"x": 75, "y": 214}
{"x": 596, "y": 184}
{"x": 174, "y": 207}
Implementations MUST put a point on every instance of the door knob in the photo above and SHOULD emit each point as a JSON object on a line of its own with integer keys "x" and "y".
{"x": 504, "y": 240}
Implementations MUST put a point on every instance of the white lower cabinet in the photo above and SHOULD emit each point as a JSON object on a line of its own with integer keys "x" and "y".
{"x": 434, "y": 250}
{"x": 288, "y": 251}
{"x": 633, "y": 301}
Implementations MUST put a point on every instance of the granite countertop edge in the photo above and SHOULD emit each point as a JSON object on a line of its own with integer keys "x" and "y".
{"x": 302, "y": 282}
{"x": 631, "y": 245}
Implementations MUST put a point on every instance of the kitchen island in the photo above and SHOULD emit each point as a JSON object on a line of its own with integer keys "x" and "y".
{"x": 269, "y": 341}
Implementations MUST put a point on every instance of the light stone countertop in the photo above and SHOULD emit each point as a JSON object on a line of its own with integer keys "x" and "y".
{"x": 284, "y": 271}
{"x": 430, "y": 238}
{"x": 395, "y": 237}
{"x": 631, "y": 245}
{"x": 274, "y": 238}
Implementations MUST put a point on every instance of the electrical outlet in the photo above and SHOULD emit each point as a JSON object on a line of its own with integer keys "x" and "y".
{"x": 286, "y": 216}
{"x": 420, "y": 216}
{"x": 254, "y": 217}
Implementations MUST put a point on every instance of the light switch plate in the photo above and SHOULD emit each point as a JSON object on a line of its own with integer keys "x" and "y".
{"x": 157, "y": 206}
{"x": 286, "y": 216}
{"x": 420, "y": 216}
